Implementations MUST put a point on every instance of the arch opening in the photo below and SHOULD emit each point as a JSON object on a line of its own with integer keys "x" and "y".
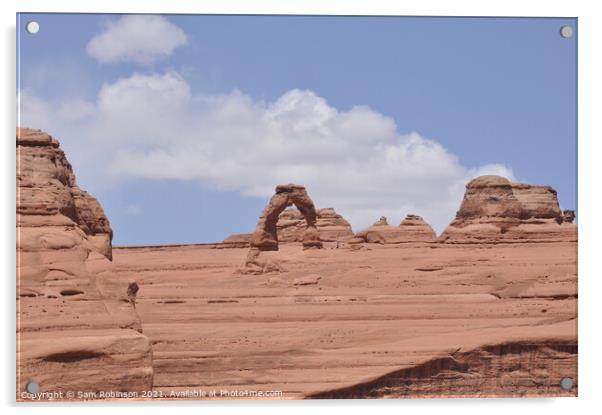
{"x": 265, "y": 237}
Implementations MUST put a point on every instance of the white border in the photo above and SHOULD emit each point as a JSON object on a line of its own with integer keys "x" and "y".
{"x": 590, "y": 136}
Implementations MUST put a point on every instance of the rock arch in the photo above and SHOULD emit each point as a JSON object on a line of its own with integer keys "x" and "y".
{"x": 265, "y": 237}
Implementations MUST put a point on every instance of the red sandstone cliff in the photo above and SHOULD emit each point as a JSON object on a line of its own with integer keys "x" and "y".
{"x": 495, "y": 209}
{"x": 412, "y": 229}
{"x": 77, "y": 327}
{"x": 291, "y": 226}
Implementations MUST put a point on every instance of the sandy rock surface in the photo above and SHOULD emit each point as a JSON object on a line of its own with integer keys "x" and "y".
{"x": 393, "y": 320}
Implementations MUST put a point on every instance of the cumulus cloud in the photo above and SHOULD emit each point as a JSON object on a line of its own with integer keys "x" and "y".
{"x": 356, "y": 160}
{"x": 142, "y": 39}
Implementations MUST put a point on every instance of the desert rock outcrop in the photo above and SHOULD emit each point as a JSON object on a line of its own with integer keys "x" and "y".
{"x": 47, "y": 188}
{"x": 568, "y": 216}
{"x": 74, "y": 316}
{"x": 495, "y": 209}
{"x": 397, "y": 320}
{"x": 540, "y": 202}
{"x": 330, "y": 225}
{"x": 412, "y": 229}
{"x": 291, "y": 226}
{"x": 265, "y": 237}
{"x": 417, "y": 229}
{"x": 238, "y": 240}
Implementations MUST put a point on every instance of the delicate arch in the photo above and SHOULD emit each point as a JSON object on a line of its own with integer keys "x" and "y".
{"x": 265, "y": 237}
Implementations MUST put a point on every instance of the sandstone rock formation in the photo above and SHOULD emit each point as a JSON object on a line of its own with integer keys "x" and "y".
{"x": 331, "y": 226}
{"x": 382, "y": 221}
{"x": 384, "y": 321}
{"x": 568, "y": 216}
{"x": 238, "y": 240}
{"x": 412, "y": 229}
{"x": 291, "y": 226}
{"x": 261, "y": 262}
{"x": 511, "y": 368}
{"x": 77, "y": 328}
{"x": 46, "y": 186}
{"x": 539, "y": 202}
{"x": 416, "y": 229}
{"x": 265, "y": 237}
{"x": 494, "y": 209}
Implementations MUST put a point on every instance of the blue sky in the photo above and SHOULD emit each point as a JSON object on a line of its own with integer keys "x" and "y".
{"x": 182, "y": 131}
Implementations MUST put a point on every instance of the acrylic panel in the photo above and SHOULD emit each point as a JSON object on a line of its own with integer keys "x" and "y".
{"x": 295, "y": 207}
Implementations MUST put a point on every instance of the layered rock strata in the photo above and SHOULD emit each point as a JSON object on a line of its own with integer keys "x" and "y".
{"x": 512, "y": 368}
{"x": 568, "y": 216}
{"x": 291, "y": 226}
{"x": 495, "y": 209}
{"x": 331, "y": 226}
{"x": 265, "y": 237}
{"x": 412, "y": 229}
{"x": 77, "y": 327}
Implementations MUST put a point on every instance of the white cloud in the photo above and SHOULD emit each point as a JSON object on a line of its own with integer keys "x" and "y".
{"x": 356, "y": 160}
{"x": 75, "y": 109}
{"x": 32, "y": 110}
{"x": 142, "y": 39}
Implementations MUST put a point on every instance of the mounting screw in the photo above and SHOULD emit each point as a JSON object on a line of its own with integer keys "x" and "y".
{"x": 566, "y": 32}
{"x": 566, "y": 383}
{"x": 32, "y": 387}
{"x": 32, "y": 27}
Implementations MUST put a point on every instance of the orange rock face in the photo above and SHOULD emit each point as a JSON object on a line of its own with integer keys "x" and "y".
{"x": 265, "y": 237}
{"x": 412, "y": 229}
{"x": 391, "y": 320}
{"x": 409, "y": 316}
{"x": 330, "y": 225}
{"x": 568, "y": 216}
{"x": 74, "y": 316}
{"x": 238, "y": 240}
{"x": 291, "y": 226}
{"x": 494, "y": 209}
{"x": 47, "y": 188}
